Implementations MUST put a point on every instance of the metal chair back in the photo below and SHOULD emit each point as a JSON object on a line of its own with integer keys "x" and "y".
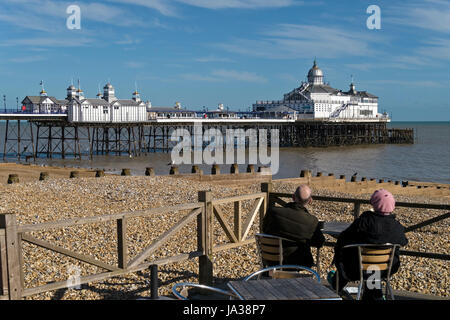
{"x": 284, "y": 271}
{"x": 270, "y": 248}
{"x": 375, "y": 257}
{"x": 183, "y": 293}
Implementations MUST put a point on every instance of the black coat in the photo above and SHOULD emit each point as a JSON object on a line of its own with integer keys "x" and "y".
{"x": 370, "y": 227}
{"x": 295, "y": 223}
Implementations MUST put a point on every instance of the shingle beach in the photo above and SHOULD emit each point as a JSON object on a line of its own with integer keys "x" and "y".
{"x": 59, "y": 199}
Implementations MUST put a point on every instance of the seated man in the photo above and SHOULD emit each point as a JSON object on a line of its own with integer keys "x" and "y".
{"x": 294, "y": 222}
{"x": 372, "y": 227}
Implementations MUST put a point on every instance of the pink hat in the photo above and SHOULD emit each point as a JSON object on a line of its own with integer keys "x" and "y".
{"x": 382, "y": 201}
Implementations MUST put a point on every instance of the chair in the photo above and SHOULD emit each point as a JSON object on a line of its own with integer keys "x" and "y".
{"x": 373, "y": 257}
{"x": 270, "y": 248}
{"x": 278, "y": 272}
{"x": 182, "y": 295}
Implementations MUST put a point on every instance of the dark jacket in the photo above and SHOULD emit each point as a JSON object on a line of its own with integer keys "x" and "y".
{"x": 370, "y": 227}
{"x": 295, "y": 223}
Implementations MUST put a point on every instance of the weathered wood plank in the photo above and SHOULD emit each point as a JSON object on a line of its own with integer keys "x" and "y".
{"x": 279, "y": 201}
{"x": 164, "y": 238}
{"x": 427, "y": 222}
{"x": 3, "y": 265}
{"x": 105, "y": 275}
{"x": 238, "y": 220}
{"x": 122, "y": 245}
{"x": 105, "y": 218}
{"x": 224, "y": 225}
{"x": 366, "y": 201}
{"x": 238, "y": 198}
{"x": 8, "y": 222}
{"x": 226, "y": 246}
{"x": 205, "y": 274}
{"x": 66, "y": 252}
{"x": 248, "y": 223}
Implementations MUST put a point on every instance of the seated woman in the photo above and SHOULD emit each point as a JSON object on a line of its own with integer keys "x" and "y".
{"x": 372, "y": 227}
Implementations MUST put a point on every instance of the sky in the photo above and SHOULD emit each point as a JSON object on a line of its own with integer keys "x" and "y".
{"x": 205, "y": 52}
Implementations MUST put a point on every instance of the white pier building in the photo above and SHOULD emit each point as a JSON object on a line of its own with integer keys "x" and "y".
{"x": 317, "y": 100}
{"x": 106, "y": 108}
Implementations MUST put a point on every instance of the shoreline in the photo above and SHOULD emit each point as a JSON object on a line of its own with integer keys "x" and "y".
{"x": 31, "y": 172}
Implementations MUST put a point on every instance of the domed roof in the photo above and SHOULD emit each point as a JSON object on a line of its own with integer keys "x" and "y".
{"x": 315, "y": 71}
{"x": 108, "y": 86}
{"x": 71, "y": 87}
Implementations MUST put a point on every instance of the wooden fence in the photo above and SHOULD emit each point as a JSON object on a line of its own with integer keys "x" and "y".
{"x": 275, "y": 197}
{"x": 12, "y": 236}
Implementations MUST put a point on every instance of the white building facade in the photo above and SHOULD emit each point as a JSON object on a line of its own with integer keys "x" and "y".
{"x": 317, "y": 100}
{"x": 106, "y": 108}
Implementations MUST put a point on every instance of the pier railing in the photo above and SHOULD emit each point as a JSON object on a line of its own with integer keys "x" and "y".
{"x": 210, "y": 217}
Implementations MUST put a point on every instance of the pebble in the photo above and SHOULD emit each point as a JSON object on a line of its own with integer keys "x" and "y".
{"x": 59, "y": 199}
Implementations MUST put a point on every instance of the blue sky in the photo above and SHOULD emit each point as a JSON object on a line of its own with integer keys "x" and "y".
{"x": 206, "y": 52}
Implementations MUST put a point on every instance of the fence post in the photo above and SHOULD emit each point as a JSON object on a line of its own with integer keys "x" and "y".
{"x": 3, "y": 265}
{"x": 154, "y": 282}
{"x": 8, "y": 222}
{"x": 266, "y": 187}
{"x": 122, "y": 246}
{"x": 238, "y": 220}
{"x": 204, "y": 242}
{"x": 356, "y": 209}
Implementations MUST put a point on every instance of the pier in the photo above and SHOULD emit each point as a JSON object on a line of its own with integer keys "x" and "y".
{"x": 51, "y": 135}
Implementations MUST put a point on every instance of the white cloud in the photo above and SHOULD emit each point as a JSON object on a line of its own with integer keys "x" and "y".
{"x": 163, "y": 6}
{"x": 212, "y": 58}
{"x": 29, "y": 59}
{"x": 289, "y": 41}
{"x": 223, "y": 75}
{"x": 437, "y": 48}
{"x": 242, "y": 4}
{"x": 238, "y": 75}
{"x": 430, "y": 14}
{"x": 48, "y": 42}
{"x": 50, "y": 16}
{"x": 134, "y": 64}
{"x": 169, "y": 7}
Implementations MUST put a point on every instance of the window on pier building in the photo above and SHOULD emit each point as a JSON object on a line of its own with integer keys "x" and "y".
{"x": 365, "y": 112}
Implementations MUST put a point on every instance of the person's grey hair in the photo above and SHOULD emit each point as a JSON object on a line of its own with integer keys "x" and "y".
{"x": 302, "y": 194}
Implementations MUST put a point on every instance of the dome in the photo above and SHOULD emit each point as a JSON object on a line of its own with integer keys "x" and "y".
{"x": 108, "y": 86}
{"x": 315, "y": 71}
{"x": 71, "y": 87}
{"x": 315, "y": 75}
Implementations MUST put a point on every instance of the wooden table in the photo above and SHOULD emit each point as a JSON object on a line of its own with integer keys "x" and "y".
{"x": 282, "y": 289}
{"x": 334, "y": 228}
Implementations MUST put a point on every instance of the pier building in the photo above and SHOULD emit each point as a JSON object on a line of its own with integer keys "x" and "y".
{"x": 316, "y": 99}
{"x": 107, "y": 108}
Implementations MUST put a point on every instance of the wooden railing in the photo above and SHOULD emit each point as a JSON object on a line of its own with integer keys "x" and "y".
{"x": 205, "y": 212}
{"x": 12, "y": 236}
{"x": 275, "y": 197}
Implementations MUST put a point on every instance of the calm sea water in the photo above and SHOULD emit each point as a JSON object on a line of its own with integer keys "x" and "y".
{"x": 426, "y": 160}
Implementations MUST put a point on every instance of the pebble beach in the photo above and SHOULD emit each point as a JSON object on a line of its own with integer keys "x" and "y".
{"x": 59, "y": 199}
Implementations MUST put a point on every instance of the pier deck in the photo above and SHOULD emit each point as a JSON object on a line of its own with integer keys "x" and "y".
{"x": 51, "y": 135}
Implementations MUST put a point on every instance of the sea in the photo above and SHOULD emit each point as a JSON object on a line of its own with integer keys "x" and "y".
{"x": 428, "y": 159}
